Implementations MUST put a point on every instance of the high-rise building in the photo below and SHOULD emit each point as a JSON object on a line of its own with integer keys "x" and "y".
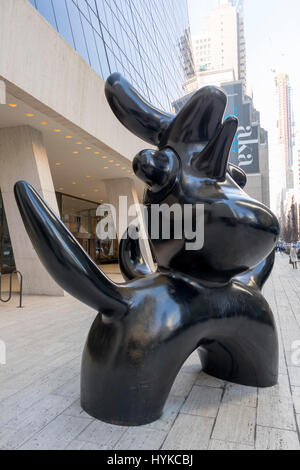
{"x": 297, "y": 175}
{"x": 186, "y": 49}
{"x": 285, "y": 126}
{"x": 57, "y": 130}
{"x": 239, "y": 5}
{"x": 137, "y": 38}
{"x": 220, "y": 50}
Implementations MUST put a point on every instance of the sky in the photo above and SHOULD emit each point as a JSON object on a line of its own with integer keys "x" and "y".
{"x": 272, "y": 44}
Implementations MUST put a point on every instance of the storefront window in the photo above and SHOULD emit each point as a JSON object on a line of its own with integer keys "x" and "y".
{"x": 80, "y": 218}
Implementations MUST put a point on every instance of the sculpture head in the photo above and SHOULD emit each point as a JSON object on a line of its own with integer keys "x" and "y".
{"x": 190, "y": 166}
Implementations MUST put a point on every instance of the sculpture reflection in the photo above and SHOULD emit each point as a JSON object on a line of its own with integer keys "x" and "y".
{"x": 207, "y": 300}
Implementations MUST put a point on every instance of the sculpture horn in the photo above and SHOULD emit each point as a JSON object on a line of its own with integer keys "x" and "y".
{"x": 135, "y": 113}
{"x": 213, "y": 160}
{"x": 200, "y": 119}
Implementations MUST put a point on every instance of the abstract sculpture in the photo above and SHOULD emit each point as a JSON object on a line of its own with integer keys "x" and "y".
{"x": 207, "y": 300}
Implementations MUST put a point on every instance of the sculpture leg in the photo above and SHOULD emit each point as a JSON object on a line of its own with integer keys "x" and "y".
{"x": 246, "y": 361}
{"x": 127, "y": 382}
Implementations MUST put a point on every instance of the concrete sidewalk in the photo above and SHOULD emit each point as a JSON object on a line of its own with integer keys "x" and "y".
{"x": 39, "y": 386}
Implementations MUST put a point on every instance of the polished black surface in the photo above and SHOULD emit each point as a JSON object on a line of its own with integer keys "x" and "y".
{"x": 207, "y": 300}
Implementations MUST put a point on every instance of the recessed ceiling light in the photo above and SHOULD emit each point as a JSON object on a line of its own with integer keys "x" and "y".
{"x": 88, "y": 176}
{"x": 74, "y": 182}
{"x": 29, "y": 114}
{"x": 61, "y": 189}
{"x": 76, "y": 153}
{"x": 56, "y": 130}
{"x": 13, "y": 105}
{"x": 44, "y": 123}
{"x": 78, "y": 143}
{"x": 88, "y": 148}
{"x": 104, "y": 157}
{"x": 129, "y": 171}
{"x": 96, "y": 153}
{"x": 117, "y": 164}
{"x": 106, "y": 167}
{"x": 96, "y": 190}
{"x": 58, "y": 164}
{"x": 124, "y": 168}
{"x": 111, "y": 161}
{"x": 69, "y": 137}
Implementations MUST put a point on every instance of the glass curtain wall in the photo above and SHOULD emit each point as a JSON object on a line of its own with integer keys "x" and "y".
{"x": 138, "y": 38}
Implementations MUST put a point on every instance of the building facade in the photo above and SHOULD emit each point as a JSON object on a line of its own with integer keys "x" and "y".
{"x": 56, "y": 128}
{"x": 285, "y": 126}
{"x": 186, "y": 49}
{"x": 129, "y": 36}
{"x": 220, "y": 49}
{"x": 239, "y": 5}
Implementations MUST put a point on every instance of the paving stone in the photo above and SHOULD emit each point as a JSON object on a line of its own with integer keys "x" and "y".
{"x": 240, "y": 395}
{"x": 76, "y": 410}
{"x": 30, "y": 421}
{"x": 235, "y": 424}
{"x": 203, "y": 401}
{"x": 222, "y": 445}
{"x": 209, "y": 381}
{"x": 276, "y": 439}
{"x": 102, "y": 434}
{"x": 296, "y": 398}
{"x": 275, "y": 411}
{"x": 189, "y": 433}
{"x": 183, "y": 384}
{"x": 58, "y": 434}
{"x": 170, "y": 413}
{"x": 81, "y": 445}
{"x": 141, "y": 439}
{"x": 294, "y": 373}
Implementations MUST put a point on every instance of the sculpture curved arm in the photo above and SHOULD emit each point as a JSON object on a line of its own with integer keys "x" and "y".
{"x": 64, "y": 258}
{"x": 258, "y": 276}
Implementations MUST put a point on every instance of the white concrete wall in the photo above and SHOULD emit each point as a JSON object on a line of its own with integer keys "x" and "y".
{"x": 23, "y": 157}
{"x": 36, "y": 62}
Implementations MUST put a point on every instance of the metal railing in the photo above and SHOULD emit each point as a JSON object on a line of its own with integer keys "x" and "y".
{"x": 10, "y": 293}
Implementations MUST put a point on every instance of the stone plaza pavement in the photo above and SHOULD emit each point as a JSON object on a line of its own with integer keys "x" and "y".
{"x": 39, "y": 386}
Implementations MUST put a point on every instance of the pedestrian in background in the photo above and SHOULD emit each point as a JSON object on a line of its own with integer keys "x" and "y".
{"x": 294, "y": 257}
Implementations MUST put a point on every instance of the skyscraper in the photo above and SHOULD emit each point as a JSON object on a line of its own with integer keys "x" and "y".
{"x": 220, "y": 50}
{"x": 137, "y": 38}
{"x": 239, "y": 4}
{"x": 285, "y": 125}
{"x": 186, "y": 49}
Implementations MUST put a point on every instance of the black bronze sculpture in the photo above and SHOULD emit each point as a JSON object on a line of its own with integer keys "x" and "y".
{"x": 207, "y": 300}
